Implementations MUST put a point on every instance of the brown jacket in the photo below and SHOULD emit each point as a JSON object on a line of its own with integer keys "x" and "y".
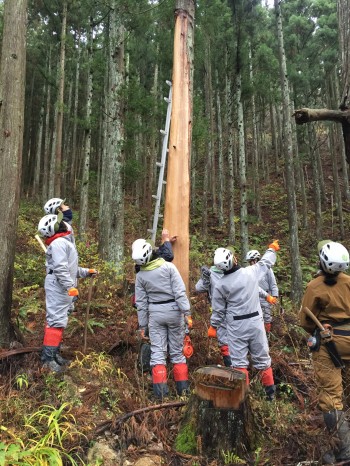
{"x": 328, "y": 303}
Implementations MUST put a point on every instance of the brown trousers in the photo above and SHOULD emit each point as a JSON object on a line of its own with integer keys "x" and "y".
{"x": 333, "y": 383}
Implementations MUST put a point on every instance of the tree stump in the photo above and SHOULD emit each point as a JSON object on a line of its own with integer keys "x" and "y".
{"x": 218, "y": 420}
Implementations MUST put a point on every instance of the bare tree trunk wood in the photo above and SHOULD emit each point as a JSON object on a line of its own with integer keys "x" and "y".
{"x": 176, "y": 213}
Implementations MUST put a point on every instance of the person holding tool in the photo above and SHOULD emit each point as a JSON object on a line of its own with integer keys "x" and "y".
{"x": 62, "y": 271}
{"x": 325, "y": 314}
{"x": 163, "y": 309}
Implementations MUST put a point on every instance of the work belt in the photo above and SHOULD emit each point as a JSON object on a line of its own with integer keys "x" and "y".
{"x": 246, "y": 316}
{"x": 344, "y": 333}
{"x": 164, "y": 302}
{"x": 334, "y": 323}
{"x": 50, "y": 272}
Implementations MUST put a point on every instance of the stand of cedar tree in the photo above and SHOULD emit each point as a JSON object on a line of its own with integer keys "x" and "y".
{"x": 218, "y": 417}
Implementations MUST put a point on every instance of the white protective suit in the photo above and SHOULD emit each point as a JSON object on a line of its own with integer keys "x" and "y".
{"x": 162, "y": 303}
{"x": 236, "y": 300}
{"x": 62, "y": 272}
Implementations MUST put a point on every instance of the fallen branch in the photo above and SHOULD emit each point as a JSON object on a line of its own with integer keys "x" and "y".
{"x": 105, "y": 425}
{"x": 29, "y": 349}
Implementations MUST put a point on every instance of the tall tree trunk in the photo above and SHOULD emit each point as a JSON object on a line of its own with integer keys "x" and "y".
{"x": 296, "y": 282}
{"x": 84, "y": 188}
{"x": 337, "y": 194}
{"x": 242, "y": 167}
{"x": 73, "y": 178}
{"x": 256, "y": 197}
{"x": 176, "y": 212}
{"x": 316, "y": 182}
{"x": 60, "y": 104}
{"x": 12, "y": 79}
{"x": 210, "y": 137}
{"x": 45, "y": 184}
{"x": 343, "y": 7}
{"x": 231, "y": 179}
{"x": 342, "y": 155}
{"x": 153, "y": 145}
{"x": 220, "y": 151}
{"x": 37, "y": 170}
{"x": 112, "y": 223}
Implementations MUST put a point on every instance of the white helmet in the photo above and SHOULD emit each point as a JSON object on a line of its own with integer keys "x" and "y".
{"x": 252, "y": 255}
{"x": 223, "y": 259}
{"x": 141, "y": 252}
{"x": 53, "y": 204}
{"x": 334, "y": 257}
{"x": 49, "y": 225}
{"x": 138, "y": 243}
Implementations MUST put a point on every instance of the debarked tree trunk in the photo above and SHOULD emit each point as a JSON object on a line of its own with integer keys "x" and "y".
{"x": 218, "y": 420}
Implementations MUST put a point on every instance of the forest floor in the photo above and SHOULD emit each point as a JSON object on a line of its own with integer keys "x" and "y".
{"x": 75, "y": 411}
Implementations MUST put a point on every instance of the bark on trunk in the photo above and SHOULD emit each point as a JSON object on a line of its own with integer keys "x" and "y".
{"x": 60, "y": 103}
{"x": 218, "y": 416}
{"x": 84, "y": 190}
{"x": 12, "y": 78}
{"x": 296, "y": 284}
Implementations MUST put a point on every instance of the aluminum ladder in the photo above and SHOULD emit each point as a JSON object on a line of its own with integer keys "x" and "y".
{"x": 161, "y": 165}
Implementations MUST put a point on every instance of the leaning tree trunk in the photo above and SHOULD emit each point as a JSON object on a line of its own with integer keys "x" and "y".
{"x": 176, "y": 212}
{"x": 12, "y": 79}
{"x": 296, "y": 279}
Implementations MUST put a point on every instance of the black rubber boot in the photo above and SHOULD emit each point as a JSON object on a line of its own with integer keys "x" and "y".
{"x": 182, "y": 387}
{"x": 160, "y": 390}
{"x": 48, "y": 357}
{"x": 270, "y": 391}
{"x": 339, "y": 427}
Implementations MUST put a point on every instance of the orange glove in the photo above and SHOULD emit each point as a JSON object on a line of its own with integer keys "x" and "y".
{"x": 92, "y": 272}
{"x": 73, "y": 292}
{"x": 271, "y": 299}
{"x": 189, "y": 321}
{"x": 274, "y": 245}
{"x": 211, "y": 332}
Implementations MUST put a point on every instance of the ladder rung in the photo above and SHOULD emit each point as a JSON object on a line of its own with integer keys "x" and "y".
{"x": 164, "y": 182}
{"x": 169, "y": 83}
{"x": 167, "y": 100}
{"x": 159, "y": 164}
{"x": 160, "y": 215}
{"x": 155, "y": 196}
{"x": 150, "y": 230}
{"x": 163, "y": 132}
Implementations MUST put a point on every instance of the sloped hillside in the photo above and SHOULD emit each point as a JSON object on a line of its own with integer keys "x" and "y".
{"x": 70, "y": 415}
